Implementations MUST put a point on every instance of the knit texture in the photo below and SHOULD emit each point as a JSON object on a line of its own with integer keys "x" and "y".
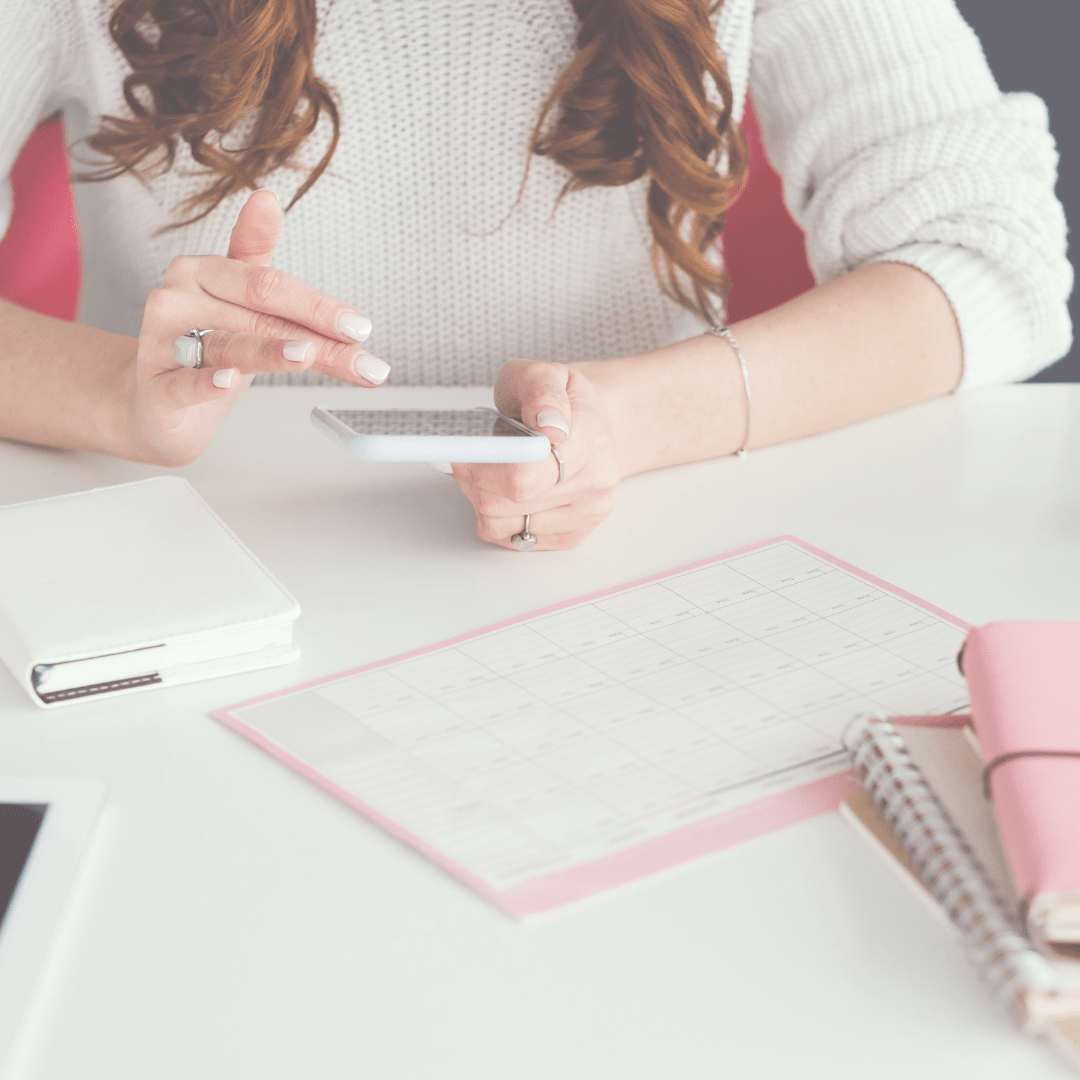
{"x": 892, "y": 139}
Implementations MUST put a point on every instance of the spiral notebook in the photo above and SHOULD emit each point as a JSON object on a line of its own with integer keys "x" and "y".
{"x": 923, "y": 811}
{"x": 558, "y": 754}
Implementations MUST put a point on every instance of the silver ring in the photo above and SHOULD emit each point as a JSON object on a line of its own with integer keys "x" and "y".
{"x": 524, "y": 540}
{"x": 558, "y": 458}
{"x": 188, "y": 348}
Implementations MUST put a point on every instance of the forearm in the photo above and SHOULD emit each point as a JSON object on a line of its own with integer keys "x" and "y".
{"x": 63, "y": 384}
{"x": 875, "y": 340}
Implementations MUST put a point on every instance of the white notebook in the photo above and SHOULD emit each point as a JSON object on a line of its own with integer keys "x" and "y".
{"x": 122, "y": 588}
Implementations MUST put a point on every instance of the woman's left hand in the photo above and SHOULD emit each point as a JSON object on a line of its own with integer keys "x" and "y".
{"x": 566, "y": 407}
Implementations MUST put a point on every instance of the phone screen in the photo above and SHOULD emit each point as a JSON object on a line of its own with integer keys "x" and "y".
{"x": 434, "y": 422}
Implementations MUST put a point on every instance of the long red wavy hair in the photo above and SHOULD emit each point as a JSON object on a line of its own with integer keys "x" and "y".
{"x": 646, "y": 93}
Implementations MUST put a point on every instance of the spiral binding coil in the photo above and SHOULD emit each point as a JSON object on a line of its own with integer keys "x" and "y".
{"x": 947, "y": 867}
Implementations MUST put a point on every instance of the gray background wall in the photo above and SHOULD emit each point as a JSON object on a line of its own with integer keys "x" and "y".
{"x": 1032, "y": 45}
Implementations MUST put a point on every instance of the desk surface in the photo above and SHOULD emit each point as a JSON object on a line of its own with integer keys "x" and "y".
{"x": 236, "y": 921}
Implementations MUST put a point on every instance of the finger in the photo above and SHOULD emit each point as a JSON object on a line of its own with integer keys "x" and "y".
{"x": 182, "y": 387}
{"x": 170, "y": 311}
{"x": 257, "y": 229}
{"x": 253, "y": 355}
{"x": 269, "y": 295}
{"x": 506, "y": 490}
{"x": 537, "y": 393}
{"x": 555, "y": 530}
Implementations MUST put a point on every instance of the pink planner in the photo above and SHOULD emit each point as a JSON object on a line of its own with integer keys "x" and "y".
{"x": 594, "y": 742}
{"x": 1024, "y": 682}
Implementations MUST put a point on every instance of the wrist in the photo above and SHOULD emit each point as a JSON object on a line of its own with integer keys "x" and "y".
{"x": 65, "y": 385}
{"x": 610, "y": 380}
{"x": 679, "y": 403}
{"x": 117, "y": 431}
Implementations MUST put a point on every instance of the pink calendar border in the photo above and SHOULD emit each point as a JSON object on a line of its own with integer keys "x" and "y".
{"x": 551, "y": 891}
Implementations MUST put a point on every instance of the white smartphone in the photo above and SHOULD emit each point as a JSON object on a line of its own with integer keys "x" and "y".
{"x": 454, "y": 435}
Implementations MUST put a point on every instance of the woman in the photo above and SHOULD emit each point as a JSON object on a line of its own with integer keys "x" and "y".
{"x": 481, "y": 180}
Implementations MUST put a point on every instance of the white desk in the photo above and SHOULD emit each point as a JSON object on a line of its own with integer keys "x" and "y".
{"x": 235, "y": 921}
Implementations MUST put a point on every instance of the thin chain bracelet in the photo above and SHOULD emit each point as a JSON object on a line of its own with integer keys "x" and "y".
{"x": 724, "y": 332}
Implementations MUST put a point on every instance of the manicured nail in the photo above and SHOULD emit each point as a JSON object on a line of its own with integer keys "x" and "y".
{"x": 355, "y": 326}
{"x": 295, "y": 350}
{"x": 223, "y": 377}
{"x": 371, "y": 367}
{"x": 550, "y": 418}
{"x": 443, "y": 467}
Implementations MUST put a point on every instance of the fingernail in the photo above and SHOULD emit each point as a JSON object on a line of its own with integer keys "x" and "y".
{"x": 371, "y": 367}
{"x": 223, "y": 377}
{"x": 550, "y": 418}
{"x": 270, "y": 190}
{"x": 443, "y": 467}
{"x": 295, "y": 350}
{"x": 355, "y": 326}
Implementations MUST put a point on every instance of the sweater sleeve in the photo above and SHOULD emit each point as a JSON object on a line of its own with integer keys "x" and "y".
{"x": 895, "y": 145}
{"x": 40, "y": 43}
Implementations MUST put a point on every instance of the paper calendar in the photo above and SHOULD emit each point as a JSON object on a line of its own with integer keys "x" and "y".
{"x": 553, "y": 756}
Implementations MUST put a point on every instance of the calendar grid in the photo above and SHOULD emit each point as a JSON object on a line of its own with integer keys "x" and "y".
{"x": 575, "y": 735}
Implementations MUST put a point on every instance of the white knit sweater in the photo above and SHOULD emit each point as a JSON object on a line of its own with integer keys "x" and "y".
{"x": 892, "y": 138}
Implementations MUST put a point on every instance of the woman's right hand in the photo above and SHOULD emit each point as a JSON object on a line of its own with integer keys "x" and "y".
{"x": 262, "y": 319}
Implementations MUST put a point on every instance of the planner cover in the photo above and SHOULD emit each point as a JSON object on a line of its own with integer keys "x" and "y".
{"x": 121, "y": 588}
{"x": 553, "y": 756}
{"x": 1024, "y": 680}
